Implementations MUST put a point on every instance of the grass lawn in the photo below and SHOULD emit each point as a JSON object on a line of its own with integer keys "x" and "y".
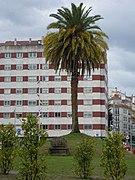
{"x": 61, "y": 167}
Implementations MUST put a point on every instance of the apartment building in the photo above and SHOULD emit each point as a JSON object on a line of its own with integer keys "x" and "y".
{"x": 28, "y": 84}
{"x": 123, "y": 114}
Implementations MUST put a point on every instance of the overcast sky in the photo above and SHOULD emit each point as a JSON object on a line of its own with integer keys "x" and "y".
{"x": 23, "y": 19}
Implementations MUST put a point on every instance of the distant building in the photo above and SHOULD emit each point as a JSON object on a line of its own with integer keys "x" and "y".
{"x": 123, "y": 113}
{"x": 28, "y": 84}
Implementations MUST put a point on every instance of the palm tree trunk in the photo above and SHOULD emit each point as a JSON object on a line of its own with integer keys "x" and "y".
{"x": 74, "y": 99}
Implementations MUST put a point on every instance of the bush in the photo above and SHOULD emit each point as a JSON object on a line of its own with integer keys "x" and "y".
{"x": 113, "y": 157}
{"x": 8, "y": 146}
{"x": 83, "y": 158}
{"x": 32, "y": 164}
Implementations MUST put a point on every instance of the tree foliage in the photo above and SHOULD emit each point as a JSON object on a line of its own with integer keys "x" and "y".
{"x": 77, "y": 46}
{"x": 7, "y": 149}
{"x": 32, "y": 163}
{"x": 110, "y": 118}
{"x": 113, "y": 157}
{"x": 83, "y": 158}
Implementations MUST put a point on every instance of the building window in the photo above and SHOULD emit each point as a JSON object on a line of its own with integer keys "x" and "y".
{"x": 125, "y": 118}
{"x": 6, "y": 103}
{"x": 32, "y": 103}
{"x": 45, "y": 78}
{"x": 87, "y": 77}
{"x": 7, "y": 79}
{"x": 32, "y": 90}
{"x": 34, "y": 114}
{"x": 6, "y": 115}
{"x": 69, "y": 90}
{"x": 44, "y": 114}
{"x": 69, "y": 126}
{"x": 57, "y": 90}
{"x": 87, "y": 102}
{"x": 87, "y": 89}
{"x": 57, "y": 126}
{"x": 45, "y": 66}
{"x": 32, "y": 54}
{"x": 45, "y": 126}
{"x": 117, "y": 118}
{"x": 125, "y": 111}
{"x": 18, "y": 115}
{"x": 18, "y": 91}
{"x": 125, "y": 126}
{"x": 69, "y": 114}
{"x": 57, "y": 114}
{"x": 6, "y": 91}
{"x": 116, "y": 111}
{"x": 32, "y": 66}
{"x": 19, "y": 79}
{"x": 45, "y": 90}
{"x": 57, "y": 102}
{"x": 18, "y": 103}
{"x": 44, "y": 102}
{"x": 19, "y": 55}
{"x": 32, "y": 78}
{"x": 87, "y": 114}
{"x": 88, "y": 126}
{"x": 19, "y": 67}
{"x": 68, "y": 78}
{"x": 69, "y": 102}
{"x": 7, "y": 55}
{"x": 7, "y": 67}
{"x": 57, "y": 78}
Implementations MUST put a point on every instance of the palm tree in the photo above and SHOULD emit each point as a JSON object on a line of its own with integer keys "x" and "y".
{"x": 77, "y": 46}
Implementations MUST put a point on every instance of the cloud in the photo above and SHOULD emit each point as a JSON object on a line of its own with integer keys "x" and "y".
{"x": 121, "y": 59}
{"x": 121, "y": 65}
{"x": 25, "y": 18}
{"x": 29, "y": 19}
{"x": 123, "y": 80}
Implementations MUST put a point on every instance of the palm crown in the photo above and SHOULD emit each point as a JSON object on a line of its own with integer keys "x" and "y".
{"x": 77, "y": 41}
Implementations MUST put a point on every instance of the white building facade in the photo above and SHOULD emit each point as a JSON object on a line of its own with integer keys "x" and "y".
{"x": 28, "y": 84}
{"x": 121, "y": 106}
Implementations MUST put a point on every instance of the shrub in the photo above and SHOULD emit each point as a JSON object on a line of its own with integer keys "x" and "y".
{"x": 83, "y": 158}
{"x": 7, "y": 149}
{"x": 32, "y": 164}
{"x": 113, "y": 157}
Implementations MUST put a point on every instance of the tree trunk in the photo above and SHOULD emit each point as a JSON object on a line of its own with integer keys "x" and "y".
{"x": 74, "y": 93}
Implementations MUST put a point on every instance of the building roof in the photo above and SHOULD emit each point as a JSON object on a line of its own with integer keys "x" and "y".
{"x": 22, "y": 43}
{"x": 115, "y": 97}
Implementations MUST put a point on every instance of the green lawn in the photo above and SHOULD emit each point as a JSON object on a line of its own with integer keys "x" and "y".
{"x": 61, "y": 167}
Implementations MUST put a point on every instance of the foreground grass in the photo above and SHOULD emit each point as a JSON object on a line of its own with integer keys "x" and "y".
{"x": 61, "y": 167}
{"x": 130, "y": 160}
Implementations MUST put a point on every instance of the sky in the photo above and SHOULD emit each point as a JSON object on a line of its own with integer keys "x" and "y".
{"x": 24, "y": 19}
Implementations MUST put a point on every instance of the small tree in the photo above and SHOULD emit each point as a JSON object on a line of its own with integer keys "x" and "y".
{"x": 32, "y": 163}
{"x": 7, "y": 149}
{"x": 83, "y": 158}
{"x": 110, "y": 119}
{"x": 113, "y": 157}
